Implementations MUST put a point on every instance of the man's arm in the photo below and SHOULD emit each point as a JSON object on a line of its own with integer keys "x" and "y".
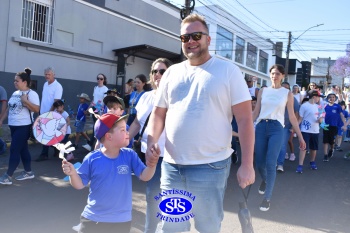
{"x": 155, "y": 126}
{"x": 242, "y": 112}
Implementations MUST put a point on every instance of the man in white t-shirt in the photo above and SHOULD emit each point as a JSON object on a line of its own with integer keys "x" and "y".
{"x": 52, "y": 91}
{"x": 195, "y": 104}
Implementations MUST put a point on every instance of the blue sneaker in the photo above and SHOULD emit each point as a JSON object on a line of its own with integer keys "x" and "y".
{"x": 299, "y": 169}
{"x": 5, "y": 179}
{"x": 313, "y": 165}
{"x": 25, "y": 175}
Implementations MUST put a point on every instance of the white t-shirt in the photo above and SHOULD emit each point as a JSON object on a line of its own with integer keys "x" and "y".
{"x": 65, "y": 116}
{"x": 198, "y": 101}
{"x": 99, "y": 94}
{"x": 273, "y": 104}
{"x": 144, "y": 108}
{"x": 49, "y": 94}
{"x": 310, "y": 114}
{"x": 252, "y": 91}
{"x": 19, "y": 114}
{"x": 297, "y": 96}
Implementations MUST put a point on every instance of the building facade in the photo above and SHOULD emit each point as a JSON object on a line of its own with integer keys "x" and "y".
{"x": 238, "y": 43}
{"x": 81, "y": 39}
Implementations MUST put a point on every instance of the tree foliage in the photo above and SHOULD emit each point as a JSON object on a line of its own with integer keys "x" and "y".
{"x": 341, "y": 67}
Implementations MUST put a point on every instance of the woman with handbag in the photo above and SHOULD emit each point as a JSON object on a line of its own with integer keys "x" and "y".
{"x": 21, "y": 106}
{"x": 144, "y": 109}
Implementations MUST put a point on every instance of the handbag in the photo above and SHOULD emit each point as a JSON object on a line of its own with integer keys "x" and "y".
{"x": 137, "y": 143}
{"x": 31, "y": 133}
{"x": 244, "y": 214}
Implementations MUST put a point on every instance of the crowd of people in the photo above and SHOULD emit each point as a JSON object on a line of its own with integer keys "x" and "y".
{"x": 185, "y": 119}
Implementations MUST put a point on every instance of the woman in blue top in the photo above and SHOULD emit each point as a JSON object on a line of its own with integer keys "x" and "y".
{"x": 141, "y": 86}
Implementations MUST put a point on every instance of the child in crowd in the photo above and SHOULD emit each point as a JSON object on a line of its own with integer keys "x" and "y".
{"x": 58, "y": 106}
{"x": 309, "y": 121}
{"x": 108, "y": 171}
{"x": 115, "y": 105}
{"x": 110, "y": 92}
{"x": 339, "y": 138}
{"x": 81, "y": 118}
{"x": 333, "y": 114}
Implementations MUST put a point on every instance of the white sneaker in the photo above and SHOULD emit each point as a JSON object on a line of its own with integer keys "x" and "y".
{"x": 280, "y": 168}
{"x": 292, "y": 157}
{"x": 77, "y": 227}
{"x": 87, "y": 147}
{"x": 286, "y": 156}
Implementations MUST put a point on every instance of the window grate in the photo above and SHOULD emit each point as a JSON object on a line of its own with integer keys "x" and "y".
{"x": 37, "y": 20}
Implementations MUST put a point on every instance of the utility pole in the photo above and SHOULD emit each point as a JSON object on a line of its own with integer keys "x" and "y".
{"x": 184, "y": 12}
{"x": 287, "y": 56}
{"x": 289, "y": 49}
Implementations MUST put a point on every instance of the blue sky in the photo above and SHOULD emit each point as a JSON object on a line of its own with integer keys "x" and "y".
{"x": 274, "y": 18}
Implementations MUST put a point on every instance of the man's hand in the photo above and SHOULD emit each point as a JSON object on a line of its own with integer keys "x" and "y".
{"x": 245, "y": 176}
{"x": 152, "y": 155}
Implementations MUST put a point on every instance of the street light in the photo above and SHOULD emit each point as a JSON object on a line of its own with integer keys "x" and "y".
{"x": 291, "y": 42}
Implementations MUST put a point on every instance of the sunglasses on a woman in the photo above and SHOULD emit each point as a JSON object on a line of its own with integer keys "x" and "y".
{"x": 195, "y": 36}
{"x": 161, "y": 71}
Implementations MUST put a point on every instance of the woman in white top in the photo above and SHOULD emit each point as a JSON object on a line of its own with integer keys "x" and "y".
{"x": 296, "y": 92}
{"x": 269, "y": 115}
{"x": 21, "y": 106}
{"x": 98, "y": 95}
{"x": 144, "y": 109}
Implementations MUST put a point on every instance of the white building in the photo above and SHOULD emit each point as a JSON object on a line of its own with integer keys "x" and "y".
{"x": 237, "y": 42}
{"x": 81, "y": 39}
{"x": 320, "y": 71}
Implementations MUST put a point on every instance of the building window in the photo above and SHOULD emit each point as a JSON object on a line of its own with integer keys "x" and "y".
{"x": 263, "y": 60}
{"x": 240, "y": 46}
{"x": 224, "y": 42}
{"x": 251, "y": 56}
{"x": 37, "y": 20}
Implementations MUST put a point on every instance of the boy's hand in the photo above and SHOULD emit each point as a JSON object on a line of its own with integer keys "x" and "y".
{"x": 152, "y": 155}
{"x": 68, "y": 168}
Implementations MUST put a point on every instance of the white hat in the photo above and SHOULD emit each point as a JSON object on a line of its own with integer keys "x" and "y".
{"x": 85, "y": 96}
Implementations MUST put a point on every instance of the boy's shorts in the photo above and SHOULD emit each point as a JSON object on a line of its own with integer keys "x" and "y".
{"x": 330, "y": 134}
{"x": 311, "y": 140}
{"x": 80, "y": 126}
{"x": 340, "y": 131}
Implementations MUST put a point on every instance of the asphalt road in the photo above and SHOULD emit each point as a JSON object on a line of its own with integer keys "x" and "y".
{"x": 315, "y": 201}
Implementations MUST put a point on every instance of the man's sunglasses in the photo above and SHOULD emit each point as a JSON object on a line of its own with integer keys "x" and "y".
{"x": 195, "y": 36}
{"x": 161, "y": 71}
{"x": 100, "y": 78}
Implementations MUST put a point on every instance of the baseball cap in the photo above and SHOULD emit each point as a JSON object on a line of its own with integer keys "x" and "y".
{"x": 312, "y": 93}
{"x": 112, "y": 90}
{"x": 105, "y": 123}
{"x": 110, "y": 98}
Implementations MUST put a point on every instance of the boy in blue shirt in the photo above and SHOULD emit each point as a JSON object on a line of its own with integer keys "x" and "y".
{"x": 333, "y": 115}
{"x": 81, "y": 118}
{"x": 108, "y": 171}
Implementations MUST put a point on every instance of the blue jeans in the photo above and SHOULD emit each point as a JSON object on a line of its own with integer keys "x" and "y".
{"x": 281, "y": 156}
{"x": 152, "y": 190}
{"x": 19, "y": 149}
{"x": 268, "y": 134}
{"x": 207, "y": 182}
